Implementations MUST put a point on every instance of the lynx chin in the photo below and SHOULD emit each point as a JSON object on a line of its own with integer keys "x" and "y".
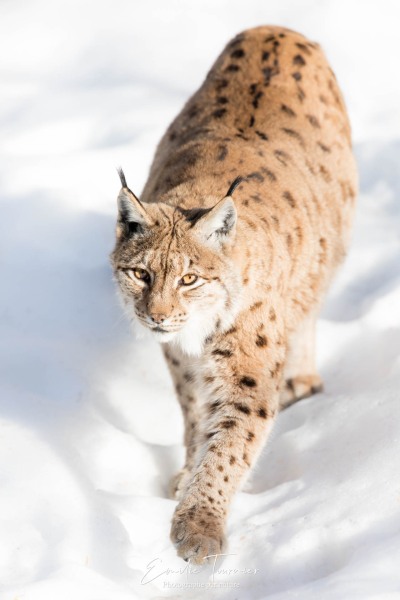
{"x": 228, "y": 254}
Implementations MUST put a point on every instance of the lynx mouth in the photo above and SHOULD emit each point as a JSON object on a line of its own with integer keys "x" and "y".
{"x": 160, "y": 330}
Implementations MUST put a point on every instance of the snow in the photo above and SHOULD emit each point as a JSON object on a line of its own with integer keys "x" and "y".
{"x": 90, "y": 432}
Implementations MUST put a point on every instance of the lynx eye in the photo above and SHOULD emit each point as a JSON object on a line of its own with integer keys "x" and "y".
{"x": 188, "y": 279}
{"x": 141, "y": 274}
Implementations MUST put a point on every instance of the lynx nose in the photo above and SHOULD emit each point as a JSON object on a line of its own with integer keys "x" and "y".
{"x": 157, "y": 318}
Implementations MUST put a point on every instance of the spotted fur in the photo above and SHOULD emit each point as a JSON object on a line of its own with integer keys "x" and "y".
{"x": 240, "y": 341}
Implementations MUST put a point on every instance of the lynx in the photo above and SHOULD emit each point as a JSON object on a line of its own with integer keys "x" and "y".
{"x": 228, "y": 254}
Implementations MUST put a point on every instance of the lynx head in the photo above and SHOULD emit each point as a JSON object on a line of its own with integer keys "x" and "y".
{"x": 173, "y": 267}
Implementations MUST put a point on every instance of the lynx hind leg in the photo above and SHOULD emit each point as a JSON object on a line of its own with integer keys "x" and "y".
{"x": 301, "y": 379}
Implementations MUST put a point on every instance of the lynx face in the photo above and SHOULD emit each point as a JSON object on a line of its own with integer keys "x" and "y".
{"x": 171, "y": 265}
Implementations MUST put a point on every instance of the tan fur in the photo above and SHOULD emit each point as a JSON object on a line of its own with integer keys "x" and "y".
{"x": 269, "y": 110}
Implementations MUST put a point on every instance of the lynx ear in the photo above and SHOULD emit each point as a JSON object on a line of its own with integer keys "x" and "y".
{"x": 218, "y": 224}
{"x": 132, "y": 213}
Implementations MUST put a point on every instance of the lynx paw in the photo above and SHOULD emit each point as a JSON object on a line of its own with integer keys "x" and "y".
{"x": 299, "y": 388}
{"x": 196, "y": 542}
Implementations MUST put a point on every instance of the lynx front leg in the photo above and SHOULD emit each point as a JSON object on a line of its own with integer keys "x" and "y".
{"x": 243, "y": 392}
{"x": 184, "y": 378}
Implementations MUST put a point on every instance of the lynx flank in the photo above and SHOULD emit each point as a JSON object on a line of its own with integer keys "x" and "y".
{"x": 228, "y": 254}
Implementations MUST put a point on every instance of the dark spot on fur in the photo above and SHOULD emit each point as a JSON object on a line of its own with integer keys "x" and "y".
{"x": 192, "y": 511}
{"x": 282, "y": 156}
{"x": 323, "y": 147}
{"x": 304, "y": 48}
{"x": 257, "y": 98}
{"x": 299, "y": 60}
{"x": 251, "y": 122}
{"x": 239, "y": 53}
{"x": 313, "y": 120}
{"x": 272, "y": 314}
{"x": 219, "y": 113}
{"x": 219, "y": 352}
{"x": 252, "y": 89}
{"x": 226, "y": 478}
{"x": 250, "y": 436}
{"x": 293, "y": 134}
{"x": 256, "y": 175}
{"x": 232, "y": 460}
{"x": 228, "y": 424}
{"x": 255, "y": 305}
{"x": 189, "y": 377}
{"x": 271, "y": 176}
{"x": 289, "y": 198}
{"x": 248, "y": 381}
{"x": 276, "y": 370}
{"x": 300, "y": 93}
{"x": 210, "y": 499}
{"x": 193, "y": 111}
{"x": 214, "y": 406}
{"x": 242, "y": 408}
{"x": 262, "y": 135}
{"x": 262, "y": 413}
{"x": 265, "y": 56}
{"x": 287, "y": 110}
{"x": 296, "y": 76}
{"x": 261, "y": 341}
{"x": 267, "y": 72}
{"x": 232, "y": 68}
{"x": 325, "y": 173}
{"x": 222, "y": 152}
{"x": 222, "y": 100}
{"x": 231, "y": 330}
{"x": 220, "y": 468}
{"x": 222, "y": 84}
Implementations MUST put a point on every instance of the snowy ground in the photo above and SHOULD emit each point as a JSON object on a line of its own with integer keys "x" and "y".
{"x": 89, "y": 429}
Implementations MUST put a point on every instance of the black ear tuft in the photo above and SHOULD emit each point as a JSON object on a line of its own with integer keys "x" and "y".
{"x": 122, "y": 177}
{"x": 235, "y": 183}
